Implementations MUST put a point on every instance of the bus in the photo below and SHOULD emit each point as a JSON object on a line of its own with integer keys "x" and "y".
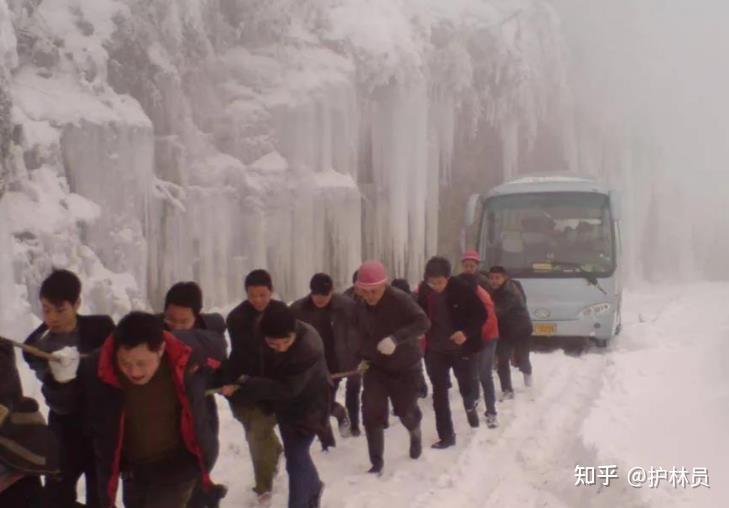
{"x": 560, "y": 237}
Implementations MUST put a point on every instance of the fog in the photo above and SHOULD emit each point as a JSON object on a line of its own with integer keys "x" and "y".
{"x": 653, "y": 76}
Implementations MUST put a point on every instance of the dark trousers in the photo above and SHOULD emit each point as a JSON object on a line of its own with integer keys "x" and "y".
{"x": 518, "y": 348}
{"x": 422, "y": 385}
{"x": 76, "y": 456}
{"x": 168, "y": 483}
{"x": 304, "y": 483}
{"x": 351, "y": 399}
{"x": 400, "y": 388}
{"x": 149, "y": 493}
{"x": 25, "y": 493}
{"x": 200, "y": 498}
{"x": 439, "y": 367}
{"x": 487, "y": 377}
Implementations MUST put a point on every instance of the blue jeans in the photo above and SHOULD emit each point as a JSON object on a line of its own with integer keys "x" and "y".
{"x": 304, "y": 483}
{"x": 487, "y": 378}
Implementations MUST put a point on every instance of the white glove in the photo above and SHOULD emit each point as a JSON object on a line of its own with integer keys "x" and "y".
{"x": 64, "y": 369}
{"x": 387, "y": 346}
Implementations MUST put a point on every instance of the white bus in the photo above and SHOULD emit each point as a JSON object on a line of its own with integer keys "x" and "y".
{"x": 560, "y": 237}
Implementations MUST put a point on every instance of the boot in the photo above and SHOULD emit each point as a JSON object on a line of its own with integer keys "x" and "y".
{"x": 416, "y": 443}
{"x": 472, "y": 416}
{"x": 264, "y": 499}
{"x": 376, "y": 448}
{"x": 326, "y": 436}
{"x": 215, "y": 495}
{"x": 445, "y": 443}
{"x": 342, "y": 420}
{"x": 491, "y": 421}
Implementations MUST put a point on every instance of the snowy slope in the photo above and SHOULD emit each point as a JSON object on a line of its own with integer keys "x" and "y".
{"x": 658, "y": 398}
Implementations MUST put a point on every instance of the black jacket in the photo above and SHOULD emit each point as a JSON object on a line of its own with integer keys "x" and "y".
{"x": 397, "y": 315}
{"x": 467, "y": 313}
{"x": 10, "y": 388}
{"x": 92, "y": 332}
{"x": 346, "y": 338}
{"x": 511, "y": 309}
{"x": 27, "y": 445}
{"x": 483, "y": 281}
{"x": 246, "y": 343}
{"x": 296, "y": 382}
{"x": 104, "y": 411}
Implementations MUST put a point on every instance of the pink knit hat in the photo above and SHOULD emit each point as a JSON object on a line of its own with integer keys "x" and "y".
{"x": 371, "y": 274}
{"x": 471, "y": 255}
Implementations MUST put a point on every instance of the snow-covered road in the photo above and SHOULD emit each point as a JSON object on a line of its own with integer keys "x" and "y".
{"x": 659, "y": 397}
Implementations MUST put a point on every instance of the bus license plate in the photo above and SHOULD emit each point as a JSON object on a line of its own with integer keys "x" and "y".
{"x": 545, "y": 329}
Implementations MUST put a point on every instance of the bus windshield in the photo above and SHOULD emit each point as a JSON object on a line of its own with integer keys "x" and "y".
{"x": 555, "y": 234}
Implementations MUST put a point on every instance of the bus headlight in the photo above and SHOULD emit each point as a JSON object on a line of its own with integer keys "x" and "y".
{"x": 595, "y": 310}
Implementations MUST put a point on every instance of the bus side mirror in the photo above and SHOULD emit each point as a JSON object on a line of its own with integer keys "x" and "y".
{"x": 471, "y": 205}
{"x": 469, "y": 218}
{"x": 615, "y": 205}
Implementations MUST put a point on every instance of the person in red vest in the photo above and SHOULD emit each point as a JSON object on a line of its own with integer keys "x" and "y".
{"x": 490, "y": 336}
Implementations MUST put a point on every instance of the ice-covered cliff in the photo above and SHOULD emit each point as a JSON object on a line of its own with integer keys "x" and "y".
{"x": 145, "y": 142}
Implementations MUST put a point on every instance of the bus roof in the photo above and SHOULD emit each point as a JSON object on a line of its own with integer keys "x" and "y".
{"x": 550, "y": 183}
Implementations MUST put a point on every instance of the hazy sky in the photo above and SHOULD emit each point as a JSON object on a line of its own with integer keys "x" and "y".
{"x": 662, "y": 66}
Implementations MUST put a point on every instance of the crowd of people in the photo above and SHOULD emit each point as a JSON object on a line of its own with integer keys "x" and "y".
{"x": 134, "y": 402}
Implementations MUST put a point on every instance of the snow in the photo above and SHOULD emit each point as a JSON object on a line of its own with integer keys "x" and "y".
{"x": 665, "y": 396}
{"x": 61, "y": 100}
{"x": 149, "y": 142}
{"x": 658, "y": 397}
{"x": 333, "y": 180}
{"x": 8, "y": 53}
{"x": 272, "y": 162}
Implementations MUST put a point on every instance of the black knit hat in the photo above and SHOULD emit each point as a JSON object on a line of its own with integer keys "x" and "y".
{"x": 278, "y": 321}
{"x": 321, "y": 284}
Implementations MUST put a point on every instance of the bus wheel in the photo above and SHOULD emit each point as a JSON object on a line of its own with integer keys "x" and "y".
{"x": 601, "y": 342}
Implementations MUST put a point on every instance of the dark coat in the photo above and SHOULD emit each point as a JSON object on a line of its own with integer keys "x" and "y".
{"x": 246, "y": 343}
{"x": 351, "y": 293}
{"x": 511, "y": 309}
{"x": 10, "y": 387}
{"x": 92, "y": 332}
{"x": 466, "y": 311}
{"x": 397, "y": 315}
{"x": 483, "y": 281}
{"x": 346, "y": 337}
{"x": 207, "y": 338}
{"x": 296, "y": 382}
{"x": 27, "y": 446}
{"x": 105, "y": 411}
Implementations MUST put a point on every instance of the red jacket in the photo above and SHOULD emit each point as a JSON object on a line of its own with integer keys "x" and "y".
{"x": 106, "y": 414}
{"x": 490, "y": 330}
